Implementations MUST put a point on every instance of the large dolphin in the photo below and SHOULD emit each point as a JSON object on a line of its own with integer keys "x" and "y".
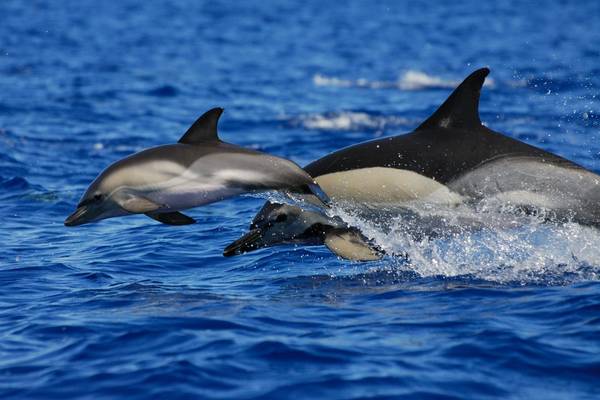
{"x": 199, "y": 169}
{"x": 450, "y": 159}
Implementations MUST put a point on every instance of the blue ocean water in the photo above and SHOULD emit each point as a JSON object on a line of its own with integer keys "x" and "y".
{"x": 129, "y": 308}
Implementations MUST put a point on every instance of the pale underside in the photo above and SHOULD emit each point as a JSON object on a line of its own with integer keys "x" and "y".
{"x": 385, "y": 185}
{"x": 516, "y": 181}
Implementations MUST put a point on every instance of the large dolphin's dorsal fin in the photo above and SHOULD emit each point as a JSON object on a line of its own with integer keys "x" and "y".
{"x": 461, "y": 109}
{"x": 204, "y": 129}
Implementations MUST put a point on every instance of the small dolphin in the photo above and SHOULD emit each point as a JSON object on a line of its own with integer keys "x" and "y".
{"x": 289, "y": 224}
{"x": 199, "y": 169}
{"x": 448, "y": 160}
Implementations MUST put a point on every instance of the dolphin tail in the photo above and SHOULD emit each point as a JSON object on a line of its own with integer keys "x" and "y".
{"x": 315, "y": 189}
{"x": 309, "y": 194}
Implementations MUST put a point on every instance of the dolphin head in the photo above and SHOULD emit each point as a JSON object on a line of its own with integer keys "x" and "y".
{"x": 280, "y": 224}
{"x": 98, "y": 202}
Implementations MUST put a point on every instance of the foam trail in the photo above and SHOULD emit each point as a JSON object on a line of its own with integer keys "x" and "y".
{"x": 350, "y": 121}
{"x": 409, "y": 80}
{"x": 416, "y": 80}
{"x": 486, "y": 244}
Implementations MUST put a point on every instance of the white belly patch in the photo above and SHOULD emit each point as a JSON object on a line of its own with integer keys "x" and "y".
{"x": 385, "y": 185}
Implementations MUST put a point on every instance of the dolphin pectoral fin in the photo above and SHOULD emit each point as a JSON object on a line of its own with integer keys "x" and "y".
{"x": 172, "y": 218}
{"x": 138, "y": 205}
{"x": 351, "y": 245}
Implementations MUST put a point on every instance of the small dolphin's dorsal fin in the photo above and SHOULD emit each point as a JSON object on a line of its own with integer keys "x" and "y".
{"x": 461, "y": 109}
{"x": 204, "y": 129}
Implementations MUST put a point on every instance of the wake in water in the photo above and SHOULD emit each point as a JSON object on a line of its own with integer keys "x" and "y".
{"x": 409, "y": 80}
{"x": 487, "y": 241}
{"x": 350, "y": 121}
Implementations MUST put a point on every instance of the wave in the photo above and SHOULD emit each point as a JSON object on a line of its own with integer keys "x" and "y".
{"x": 409, "y": 80}
{"x": 416, "y": 80}
{"x": 486, "y": 243}
{"x": 350, "y": 121}
{"x": 18, "y": 187}
{"x": 16, "y": 183}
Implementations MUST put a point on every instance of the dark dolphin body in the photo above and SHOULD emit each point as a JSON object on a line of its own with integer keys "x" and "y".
{"x": 451, "y": 158}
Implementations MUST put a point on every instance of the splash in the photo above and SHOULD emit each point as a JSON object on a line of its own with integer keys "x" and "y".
{"x": 484, "y": 242}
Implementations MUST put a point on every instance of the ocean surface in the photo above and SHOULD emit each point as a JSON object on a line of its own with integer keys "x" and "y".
{"x": 129, "y": 308}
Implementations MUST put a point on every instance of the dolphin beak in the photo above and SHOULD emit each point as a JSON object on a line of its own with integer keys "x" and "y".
{"x": 245, "y": 244}
{"x": 78, "y": 217}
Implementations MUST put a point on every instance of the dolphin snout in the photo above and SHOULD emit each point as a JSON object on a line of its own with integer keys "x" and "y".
{"x": 245, "y": 244}
{"x": 78, "y": 217}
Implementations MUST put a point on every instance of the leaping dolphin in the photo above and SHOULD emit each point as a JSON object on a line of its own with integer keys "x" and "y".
{"x": 450, "y": 159}
{"x": 199, "y": 169}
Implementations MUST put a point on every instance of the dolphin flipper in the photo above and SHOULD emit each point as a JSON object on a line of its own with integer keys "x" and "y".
{"x": 351, "y": 245}
{"x": 136, "y": 204}
{"x": 172, "y": 218}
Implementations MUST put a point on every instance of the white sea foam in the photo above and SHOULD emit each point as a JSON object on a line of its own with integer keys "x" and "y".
{"x": 349, "y": 120}
{"x": 322, "y": 80}
{"x": 415, "y": 80}
{"x": 485, "y": 244}
{"x": 409, "y": 80}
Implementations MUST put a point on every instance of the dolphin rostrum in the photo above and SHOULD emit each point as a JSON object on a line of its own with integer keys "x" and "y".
{"x": 198, "y": 170}
{"x": 448, "y": 160}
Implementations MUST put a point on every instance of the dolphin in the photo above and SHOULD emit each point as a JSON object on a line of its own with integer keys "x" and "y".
{"x": 450, "y": 159}
{"x": 290, "y": 224}
{"x": 199, "y": 169}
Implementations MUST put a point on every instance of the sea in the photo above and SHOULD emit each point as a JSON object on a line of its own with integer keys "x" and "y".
{"x": 128, "y": 308}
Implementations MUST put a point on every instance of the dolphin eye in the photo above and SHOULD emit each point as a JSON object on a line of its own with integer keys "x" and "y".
{"x": 90, "y": 200}
{"x": 281, "y": 218}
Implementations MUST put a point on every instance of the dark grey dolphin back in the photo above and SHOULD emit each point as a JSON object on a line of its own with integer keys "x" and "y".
{"x": 205, "y": 131}
{"x": 451, "y": 142}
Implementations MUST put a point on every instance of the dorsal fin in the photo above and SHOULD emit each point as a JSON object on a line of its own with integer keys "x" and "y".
{"x": 461, "y": 109}
{"x": 204, "y": 129}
